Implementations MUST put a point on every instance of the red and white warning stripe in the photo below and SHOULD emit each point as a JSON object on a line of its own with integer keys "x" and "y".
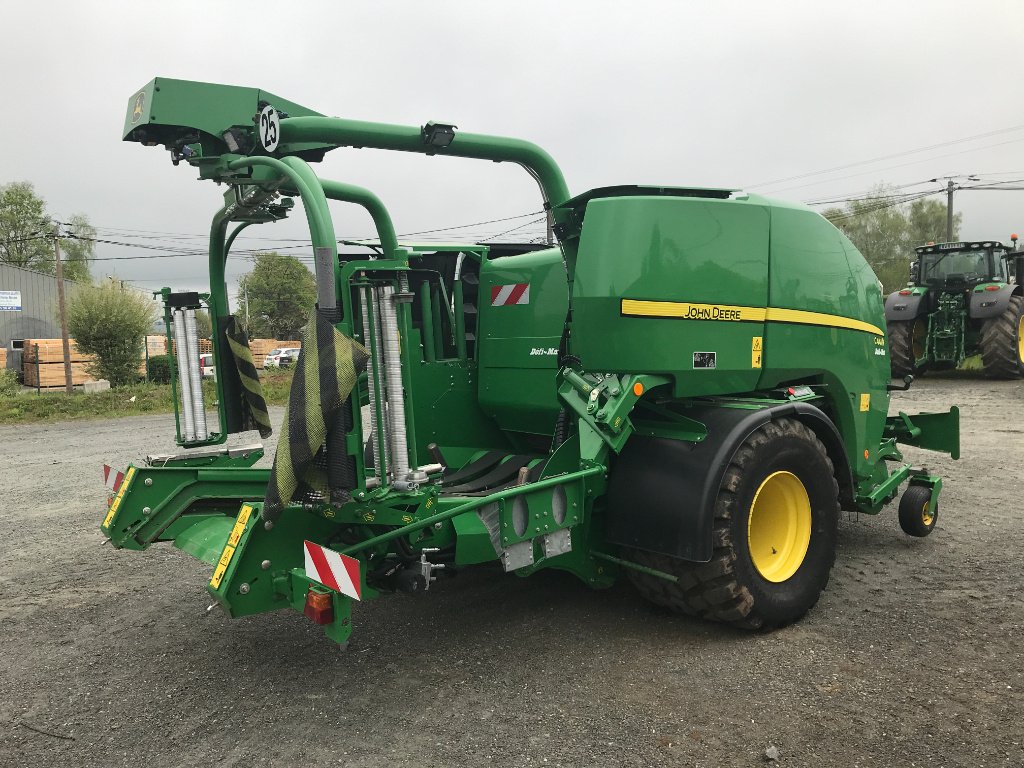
{"x": 112, "y": 478}
{"x": 504, "y": 295}
{"x": 332, "y": 569}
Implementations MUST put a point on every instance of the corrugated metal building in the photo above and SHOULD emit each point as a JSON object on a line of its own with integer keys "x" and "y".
{"x": 28, "y": 305}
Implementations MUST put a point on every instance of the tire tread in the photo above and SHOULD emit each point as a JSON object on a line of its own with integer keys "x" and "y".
{"x": 712, "y": 590}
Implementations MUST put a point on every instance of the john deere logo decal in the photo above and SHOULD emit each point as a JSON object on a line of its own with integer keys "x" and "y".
{"x": 140, "y": 104}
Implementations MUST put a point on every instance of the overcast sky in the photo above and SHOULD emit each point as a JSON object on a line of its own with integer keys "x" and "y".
{"x": 725, "y": 94}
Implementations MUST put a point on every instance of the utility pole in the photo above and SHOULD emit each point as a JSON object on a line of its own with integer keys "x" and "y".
{"x": 951, "y": 187}
{"x": 949, "y": 210}
{"x": 65, "y": 342}
{"x": 551, "y": 226}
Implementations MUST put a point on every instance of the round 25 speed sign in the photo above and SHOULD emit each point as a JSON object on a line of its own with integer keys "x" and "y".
{"x": 269, "y": 129}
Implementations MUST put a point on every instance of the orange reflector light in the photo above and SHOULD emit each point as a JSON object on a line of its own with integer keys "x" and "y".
{"x": 319, "y": 608}
{"x": 638, "y": 389}
{"x": 867, "y": 453}
{"x": 991, "y": 287}
{"x": 905, "y": 292}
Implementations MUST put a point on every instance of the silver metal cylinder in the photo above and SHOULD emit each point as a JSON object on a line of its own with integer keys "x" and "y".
{"x": 383, "y": 425}
{"x": 393, "y": 374}
{"x": 195, "y": 379}
{"x": 365, "y": 296}
{"x": 188, "y": 432}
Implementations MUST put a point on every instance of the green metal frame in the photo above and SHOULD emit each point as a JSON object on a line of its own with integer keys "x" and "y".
{"x": 210, "y": 506}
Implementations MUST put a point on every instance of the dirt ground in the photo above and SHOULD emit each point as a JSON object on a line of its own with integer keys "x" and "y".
{"x": 913, "y": 657}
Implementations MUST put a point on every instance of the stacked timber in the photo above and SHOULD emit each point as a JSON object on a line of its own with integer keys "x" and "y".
{"x": 156, "y": 345}
{"x": 205, "y": 347}
{"x": 43, "y": 363}
{"x": 262, "y": 347}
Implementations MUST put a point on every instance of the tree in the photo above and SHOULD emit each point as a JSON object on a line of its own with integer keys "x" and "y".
{"x": 111, "y": 322}
{"x": 204, "y": 324}
{"x": 927, "y": 220}
{"x": 26, "y": 234}
{"x": 77, "y": 248}
{"x": 278, "y": 296}
{"x": 886, "y": 231}
{"x": 25, "y": 229}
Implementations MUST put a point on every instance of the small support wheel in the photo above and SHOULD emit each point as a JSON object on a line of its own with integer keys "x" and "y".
{"x": 917, "y": 515}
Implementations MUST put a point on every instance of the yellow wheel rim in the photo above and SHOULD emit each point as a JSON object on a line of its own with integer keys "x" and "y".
{"x": 779, "y": 526}
{"x": 926, "y": 516}
{"x": 1020, "y": 339}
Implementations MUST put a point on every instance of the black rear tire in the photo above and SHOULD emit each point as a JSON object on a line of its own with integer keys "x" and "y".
{"x": 1002, "y": 345}
{"x": 917, "y": 517}
{"x": 906, "y": 339}
{"x": 732, "y": 587}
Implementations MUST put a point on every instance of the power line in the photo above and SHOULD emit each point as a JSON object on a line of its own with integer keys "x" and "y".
{"x": 882, "y": 205}
{"x": 887, "y": 157}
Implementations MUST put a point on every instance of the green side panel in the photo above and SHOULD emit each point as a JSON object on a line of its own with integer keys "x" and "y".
{"x": 815, "y": 268}
{"x": 519, "y": 348}
{"x": 205, "y": 540}
{"x": 447, "y": 412}
{"x": 472, "y": 542}
{"x": 672, "y": 249}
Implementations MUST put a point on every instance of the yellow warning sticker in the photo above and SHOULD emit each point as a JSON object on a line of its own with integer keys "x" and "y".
{"x": 865, "y": 402}
{"x": 229, "y": 549}
{"x": 239, "y": 529}
{"x": 756, "y": 348}
{"x": 222, "y": 566}
{"x": 117, "y": 499}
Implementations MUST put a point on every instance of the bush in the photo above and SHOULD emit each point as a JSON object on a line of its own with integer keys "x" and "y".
{"x": 159, "y": 369}
{"x": 110, "y": 322}
{"x": 9, "y": 386}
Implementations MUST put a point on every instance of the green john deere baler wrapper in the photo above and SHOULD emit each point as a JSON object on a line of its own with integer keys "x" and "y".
{"x": 685, "y": 390}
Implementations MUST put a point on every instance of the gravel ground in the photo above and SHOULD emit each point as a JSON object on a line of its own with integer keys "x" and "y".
{"x": 912, "y": 657}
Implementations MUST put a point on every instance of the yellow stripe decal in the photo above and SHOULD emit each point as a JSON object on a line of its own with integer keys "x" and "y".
{"x": 820, "y": 318}
{"x": 125, "y": 482}
{"x": 689, "y": 311}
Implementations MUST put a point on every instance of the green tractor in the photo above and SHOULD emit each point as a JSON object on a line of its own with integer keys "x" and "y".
{"x": 963, "y": 299}
{"x": 684, "y": 391}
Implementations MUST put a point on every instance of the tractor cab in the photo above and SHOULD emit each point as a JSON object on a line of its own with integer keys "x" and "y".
{"x": 958, "y": 266}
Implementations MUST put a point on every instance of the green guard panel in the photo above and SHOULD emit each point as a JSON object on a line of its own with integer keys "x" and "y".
{"x": 205, "y": 540}
{"x": 166, "y": 110}
{"x": 519, "y": 341}
{"x": 683, "y": 251}
{"x": 816, "y": 269}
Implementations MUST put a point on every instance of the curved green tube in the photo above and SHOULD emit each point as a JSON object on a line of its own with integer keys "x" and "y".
{"x": 349, "y": 193}
{"x": 233, "y": 235}
{"x": 357, "y": 133}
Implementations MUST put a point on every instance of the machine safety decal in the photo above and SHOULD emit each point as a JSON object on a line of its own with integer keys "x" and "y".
{"x": 229, "y": 549}
{"x": 139, "y": 106}
{"x": 332, "y": 569}
{"x": 705, "y": 360}
{"x": 682, "y": 310}
{"x": 506, "y": 295}
{"x": 112, "y": 478}
{"x": 120, "y": 495}
{"x": 756, "y": 345}
{"x": 865, "y": 402}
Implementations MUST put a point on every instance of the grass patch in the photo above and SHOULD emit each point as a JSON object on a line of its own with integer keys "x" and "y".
{"x": 29, "y": 407}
